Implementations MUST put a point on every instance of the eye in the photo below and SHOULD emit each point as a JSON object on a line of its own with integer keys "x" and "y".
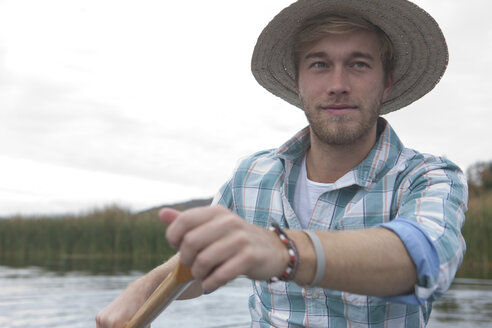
{"x": 360, "y": 64}
{"x": 318, "y": 64}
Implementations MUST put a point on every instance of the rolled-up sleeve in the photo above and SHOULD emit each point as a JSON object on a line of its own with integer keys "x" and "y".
{"x": 429, "y": 221}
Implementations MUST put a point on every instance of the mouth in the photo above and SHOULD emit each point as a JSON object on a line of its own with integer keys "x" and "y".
{"x": 339, "y": 108}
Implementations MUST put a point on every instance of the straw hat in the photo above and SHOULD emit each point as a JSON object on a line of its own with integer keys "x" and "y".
{"x": 420, "y": 48}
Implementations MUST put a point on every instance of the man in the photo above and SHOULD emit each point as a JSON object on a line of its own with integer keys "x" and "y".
{"x": 366, "y": 232}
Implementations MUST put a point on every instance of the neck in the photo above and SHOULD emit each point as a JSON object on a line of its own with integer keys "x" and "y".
{"x": 327, "y": 163}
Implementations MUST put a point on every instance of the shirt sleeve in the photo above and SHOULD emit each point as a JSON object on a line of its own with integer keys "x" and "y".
{"x": 423, "y": 254}
{"x": 429, "y": 221}
{"x": 224, "y": 196}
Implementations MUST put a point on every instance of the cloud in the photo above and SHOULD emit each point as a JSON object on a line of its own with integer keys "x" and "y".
{"x": 114, "y": 101}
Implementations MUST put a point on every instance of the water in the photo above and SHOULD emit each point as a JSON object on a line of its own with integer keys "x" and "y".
{"x": 34, "y": 297}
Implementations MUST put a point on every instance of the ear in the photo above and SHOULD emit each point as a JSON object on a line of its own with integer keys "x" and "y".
{"x": 388, "y": 86}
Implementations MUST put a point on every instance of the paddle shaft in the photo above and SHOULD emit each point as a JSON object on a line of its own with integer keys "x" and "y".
{"x": 170, "y": 289}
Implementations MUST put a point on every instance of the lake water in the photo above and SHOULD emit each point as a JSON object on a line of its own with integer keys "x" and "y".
{"x": 35, "y": 297}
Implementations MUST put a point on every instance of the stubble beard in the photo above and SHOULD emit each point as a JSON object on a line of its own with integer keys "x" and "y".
{"x": 341, "y": 130}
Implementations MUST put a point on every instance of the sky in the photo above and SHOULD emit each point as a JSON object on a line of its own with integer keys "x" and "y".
{"x": 144, "y": 103}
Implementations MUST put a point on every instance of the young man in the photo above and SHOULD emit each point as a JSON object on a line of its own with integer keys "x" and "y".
{"x": 370, "y": 230}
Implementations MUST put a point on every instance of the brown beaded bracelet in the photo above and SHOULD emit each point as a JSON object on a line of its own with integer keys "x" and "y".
{"x": 291, "y": 269}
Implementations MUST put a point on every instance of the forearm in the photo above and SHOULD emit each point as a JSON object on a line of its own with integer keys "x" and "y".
{"x": 121, "y": 309}
{"x": 370, "y": 262}
{"x": 152, "y": 280}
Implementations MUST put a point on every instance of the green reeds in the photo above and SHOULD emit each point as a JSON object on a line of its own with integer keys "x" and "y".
{"x": 109, "y": 235}
{"x": 116, "y": 238}
{"x": 478, "y": 233}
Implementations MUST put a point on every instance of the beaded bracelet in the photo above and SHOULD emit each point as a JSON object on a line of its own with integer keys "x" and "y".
{"x": 293, "y": 264}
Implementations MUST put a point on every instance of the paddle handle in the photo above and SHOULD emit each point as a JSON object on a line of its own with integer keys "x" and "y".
{"x": 170, "y": 289}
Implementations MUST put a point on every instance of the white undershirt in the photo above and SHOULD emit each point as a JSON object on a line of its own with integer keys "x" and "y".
{"x": 306, "y": 195}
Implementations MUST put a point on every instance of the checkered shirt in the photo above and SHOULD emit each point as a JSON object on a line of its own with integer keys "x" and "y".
{"x": 393, "y": 182}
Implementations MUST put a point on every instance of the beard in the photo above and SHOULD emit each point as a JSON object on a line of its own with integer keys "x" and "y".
{"x": 343, "y": 130}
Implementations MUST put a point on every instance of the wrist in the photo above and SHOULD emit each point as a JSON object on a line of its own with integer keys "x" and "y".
{"x": 289, "y": 252}
{"x": 310, "y": 266}
{"x": 320, "y": 258}
{"x": 280, "y": 258}
{"x": 307, "y": 258}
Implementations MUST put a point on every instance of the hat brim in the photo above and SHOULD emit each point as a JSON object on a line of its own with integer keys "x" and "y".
{"x": 419, "y": 45}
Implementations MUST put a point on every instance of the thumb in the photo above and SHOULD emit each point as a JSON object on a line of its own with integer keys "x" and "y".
{"x": 168, "y": 215}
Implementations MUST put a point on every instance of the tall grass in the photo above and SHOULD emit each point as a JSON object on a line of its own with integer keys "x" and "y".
{"x": 136, "y": 241}
{"x": 111, "y": 234}
{"x": 478, "y": 233}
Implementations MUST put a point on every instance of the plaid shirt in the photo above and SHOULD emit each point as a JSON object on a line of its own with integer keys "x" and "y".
{"x": 420, "y": 197}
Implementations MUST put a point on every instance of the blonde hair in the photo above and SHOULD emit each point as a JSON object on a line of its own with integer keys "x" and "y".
{"x": 316, "y": 28}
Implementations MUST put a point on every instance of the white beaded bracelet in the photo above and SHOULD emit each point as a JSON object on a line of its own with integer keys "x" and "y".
{"x": 320, "y": 258}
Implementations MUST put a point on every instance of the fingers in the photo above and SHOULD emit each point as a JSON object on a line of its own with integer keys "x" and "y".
{"x": 212, "y": 234}
{"x": 256, "y": 253}
{"x": 246, "y": 252}
{"x": 168, "y": 215}
{"x": 218, "y": 246}
{"x": 216, "y": 253}
{"x": 228, "y": 270}
{"x": 206, "y": 237}
{"x": 190, "y": 220}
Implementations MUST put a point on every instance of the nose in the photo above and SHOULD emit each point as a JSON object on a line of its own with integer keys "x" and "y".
{"x": 338, "y": 83}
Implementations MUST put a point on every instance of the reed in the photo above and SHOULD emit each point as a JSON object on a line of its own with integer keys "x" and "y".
{"x": 118, "y": 238}
{"x": 477, "y": 231}
{"x": 110, "y": 234}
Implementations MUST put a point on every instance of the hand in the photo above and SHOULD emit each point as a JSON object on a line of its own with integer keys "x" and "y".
{"x": 120, "y": 311}
{"x": 219, "y": 246}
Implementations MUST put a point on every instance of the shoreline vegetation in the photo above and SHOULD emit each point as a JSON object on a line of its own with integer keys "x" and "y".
{"x": 112, "y": 239}
{"x": 116, "y": 240}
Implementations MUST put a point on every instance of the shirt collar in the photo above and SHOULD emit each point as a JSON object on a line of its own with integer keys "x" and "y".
{"x": 382, "y": 157}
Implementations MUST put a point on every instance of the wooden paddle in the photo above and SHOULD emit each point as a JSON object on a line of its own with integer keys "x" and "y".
{"x": 170, "y": 289}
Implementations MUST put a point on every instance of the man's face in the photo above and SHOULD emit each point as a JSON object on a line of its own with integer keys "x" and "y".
{"x": 341, "y": 83}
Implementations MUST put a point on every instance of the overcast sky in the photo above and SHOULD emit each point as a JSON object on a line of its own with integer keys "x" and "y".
{"x": 143, "y": 103}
